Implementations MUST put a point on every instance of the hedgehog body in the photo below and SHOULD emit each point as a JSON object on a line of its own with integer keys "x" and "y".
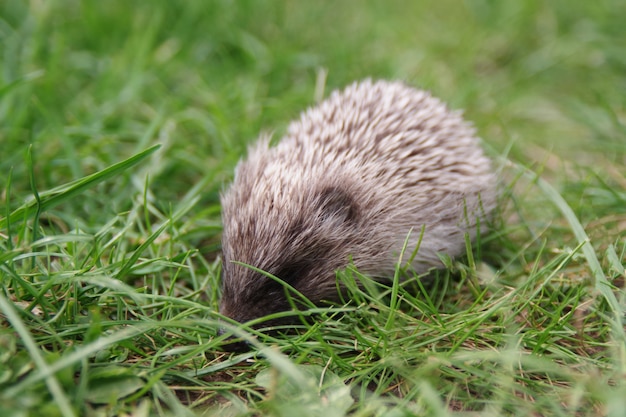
{"x": 351, "y": 179}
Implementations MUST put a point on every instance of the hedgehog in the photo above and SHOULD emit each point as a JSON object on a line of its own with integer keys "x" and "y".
{"x": 375, "y": 171}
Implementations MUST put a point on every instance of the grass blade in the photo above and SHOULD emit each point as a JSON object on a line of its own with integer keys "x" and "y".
{"x": 31, "y": 346}
{"x": 57, "y": 195}
{"x": 600, "y": 281}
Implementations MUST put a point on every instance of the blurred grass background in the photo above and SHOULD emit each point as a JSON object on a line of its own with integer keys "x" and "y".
{"x": 86, "y": 84}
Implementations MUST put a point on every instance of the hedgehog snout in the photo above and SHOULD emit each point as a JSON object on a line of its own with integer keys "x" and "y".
{"x": 232, "y": 343}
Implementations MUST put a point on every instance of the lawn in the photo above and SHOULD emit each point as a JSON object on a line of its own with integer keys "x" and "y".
{"x": 121, "y": 122}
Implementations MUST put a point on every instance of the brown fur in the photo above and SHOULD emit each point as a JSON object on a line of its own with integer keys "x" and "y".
{"x": 349, "y": 180}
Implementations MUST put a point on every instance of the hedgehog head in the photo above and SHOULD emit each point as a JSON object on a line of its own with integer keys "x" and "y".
{"x": 300, "y": 235}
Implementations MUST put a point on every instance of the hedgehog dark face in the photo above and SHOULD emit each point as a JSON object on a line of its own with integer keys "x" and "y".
{"x": 261, "y": 295}
{"x": 296, "y": 241}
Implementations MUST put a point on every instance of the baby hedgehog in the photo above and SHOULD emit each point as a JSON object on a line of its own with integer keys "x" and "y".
{"x": 348, "y": 183}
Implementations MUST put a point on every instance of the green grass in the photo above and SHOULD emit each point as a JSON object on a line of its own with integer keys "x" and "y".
{"x": 109, "y": 246}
